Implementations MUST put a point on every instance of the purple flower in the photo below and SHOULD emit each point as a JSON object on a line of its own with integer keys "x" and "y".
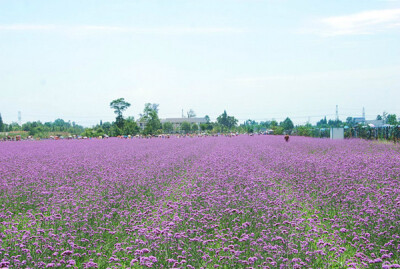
{"x": 66, "y": 253}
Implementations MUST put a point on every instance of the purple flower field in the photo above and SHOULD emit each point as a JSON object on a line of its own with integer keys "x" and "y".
{"x": 210, "y": 202}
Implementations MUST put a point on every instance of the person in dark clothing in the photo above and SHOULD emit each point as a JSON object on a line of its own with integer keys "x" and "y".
{"x": 287, "y": 138}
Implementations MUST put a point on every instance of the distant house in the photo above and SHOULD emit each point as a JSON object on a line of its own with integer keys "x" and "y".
{"x": 359, "y": 120}
{"x": 176, "y": 122}
{"x": 141, "y": 124}
{"x": 375, "y": 123}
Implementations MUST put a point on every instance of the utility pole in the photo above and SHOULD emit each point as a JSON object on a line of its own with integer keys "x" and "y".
{"x": 182, "y": 113}
{"x": 337, "y": 113}
{"x": 19, "y": 118}
{"x": 364, "y": 113}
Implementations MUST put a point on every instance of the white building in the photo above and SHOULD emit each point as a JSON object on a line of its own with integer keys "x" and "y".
{"x": 337, "y": 133}
{"x": 176, "y": 122}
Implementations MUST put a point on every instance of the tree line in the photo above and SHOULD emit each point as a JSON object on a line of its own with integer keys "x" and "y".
{"x": 149, "y": 123}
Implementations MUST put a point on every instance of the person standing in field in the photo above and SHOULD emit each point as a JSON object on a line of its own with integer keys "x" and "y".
{"x": 287, "y": 138}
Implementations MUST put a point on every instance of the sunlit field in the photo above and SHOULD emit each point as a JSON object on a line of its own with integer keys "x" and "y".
{"x": 207, "y": 202}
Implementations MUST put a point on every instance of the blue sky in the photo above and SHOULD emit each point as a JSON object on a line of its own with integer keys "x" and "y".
{"x": 258, "y": 59}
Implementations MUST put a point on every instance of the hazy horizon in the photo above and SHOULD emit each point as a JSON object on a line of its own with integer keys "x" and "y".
{"x": 256, "y": 59}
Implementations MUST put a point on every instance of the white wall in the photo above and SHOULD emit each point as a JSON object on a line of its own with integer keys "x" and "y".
{"x": 337, "y": 133}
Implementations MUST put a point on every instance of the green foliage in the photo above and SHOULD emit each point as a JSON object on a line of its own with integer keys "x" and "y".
{"x": 349, "y": 121}
{"x": 88, "y": 132}
{"x": 322, "y": 123}
{"x": 106, "y": 126}
{"x": 191, "y": 114}
{"x": 226, "y": 122}
{"x": 391, "y": 119}
{"x": 42, "y": 130}
{"x": 119, "y": 105}
{"x": 185, "y": 127}
{"x": 249, "y": 126}
{"x": 115, "y": 130}
{"x": 130, "y": 127}
{"x": 150, "y": 117}
{"x": 287, "y": 125}
{"x": 208, "y": 126}
{"x": 99, "y": 132}
{"x": 149, "y": 108}
{"x": 335, "y": 123}
{"x": 168, "y": 127}
{"x": 273, "y": 124}
{"x": 278, "y": 130}
{"x": 1, "y": 124}
{"x": 304, "y": 130}
{"x": 194, "y": 127}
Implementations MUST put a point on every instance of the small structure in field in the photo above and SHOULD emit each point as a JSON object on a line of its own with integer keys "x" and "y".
{"x": 337, "y": 133}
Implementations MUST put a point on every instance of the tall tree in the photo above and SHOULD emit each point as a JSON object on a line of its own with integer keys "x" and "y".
{"x": 148, "y": 108}
{"x": 226, "y": 121}
{"x": 287, "y": 125}
{"x": 322, "y": 123}
{"x": 191, "y": 114}
{"x": 168, "y": 127}
{"x": 150, "y": 117}
{"x": 119, "y": 105}
{"x": 185, "y": 127}
{"x": 130, "y": 126}
{"x": 391, "y": 119}
{"x": 194, "y": 127}
{"x": 1, "y": 124}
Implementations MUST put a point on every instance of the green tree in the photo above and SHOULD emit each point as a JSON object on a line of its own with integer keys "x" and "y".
{"x": 191, "y": 114}
{"x": 226, "y": 121}
{"x": 185, "y": 127}
{"x": 349, "y": 121}
{"x": 150, "y": 117}
{"x": 335, "y": 123}
{"x": 287, "y": 125}
{"x": 119, "y": 105}
{"x": 391, "y": 119}
{"x": 304, "y": 130}
{"x": 14, "y": 126}
{"x": 249, "y": 126}
{"x": 384, "y": 116}
{"x": 194, "y": 127}
{"x": 106, "y": 126}
{"x": 203, "y": 126}
{"x": 88, "y": 132}
{"x": 265, "y": 124}
{"x": 379, "y": 117}
{"x": 168, "y": 127}
{"x": 148, "y": 108}
{"x": 278, "y": 130}
{"x": 115, "y": 130}
{"x": 1, "y": 124}
{"x": 130, "y": 126}
{"x": 99, "y": 132}
{"x": 322, "y": 123}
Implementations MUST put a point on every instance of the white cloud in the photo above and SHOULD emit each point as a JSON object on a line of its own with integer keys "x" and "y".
{"x": 362, "y": 23}
{"x": 174, "y": 30}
